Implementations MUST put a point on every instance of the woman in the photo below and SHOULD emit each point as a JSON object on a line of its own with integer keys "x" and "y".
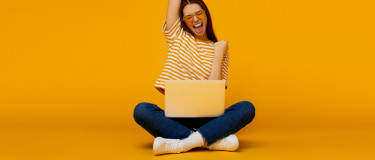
{"x": 193, "y": 54}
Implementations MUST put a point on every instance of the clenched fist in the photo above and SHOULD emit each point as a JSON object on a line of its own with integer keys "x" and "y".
{"x": 221, "y": 47}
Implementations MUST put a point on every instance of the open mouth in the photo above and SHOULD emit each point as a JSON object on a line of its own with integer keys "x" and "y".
{"x": 198, "y": 27}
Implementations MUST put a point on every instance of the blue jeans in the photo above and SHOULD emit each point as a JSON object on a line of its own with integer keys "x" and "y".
{"x": 152, "y": 119}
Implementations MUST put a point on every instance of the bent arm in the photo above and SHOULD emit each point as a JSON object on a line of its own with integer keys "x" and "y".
{"x": 216, "y": 68}
{"x": 220, "y": 48}
{"x": 172, "y": 12}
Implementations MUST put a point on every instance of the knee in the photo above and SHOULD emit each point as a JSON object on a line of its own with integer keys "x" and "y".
{"x": 141, "y": 110}
{"x": 248, "y": 106}
{"x": 248, "y": 110}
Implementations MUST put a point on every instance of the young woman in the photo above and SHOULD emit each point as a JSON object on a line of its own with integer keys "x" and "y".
{"x": 193, "y": 54}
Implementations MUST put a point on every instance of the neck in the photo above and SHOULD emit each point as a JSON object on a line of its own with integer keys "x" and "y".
{"x": 204, "y": 37}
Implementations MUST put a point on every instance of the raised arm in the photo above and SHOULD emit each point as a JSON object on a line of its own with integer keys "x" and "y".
{"x": 221, "y": 47}
{"x": 172, "y": 12}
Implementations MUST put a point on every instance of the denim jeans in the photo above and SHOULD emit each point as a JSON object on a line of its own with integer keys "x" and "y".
{"x": 152, "y": 119}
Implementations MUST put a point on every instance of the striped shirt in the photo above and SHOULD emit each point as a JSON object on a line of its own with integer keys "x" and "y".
{"x": 188, "y": 58}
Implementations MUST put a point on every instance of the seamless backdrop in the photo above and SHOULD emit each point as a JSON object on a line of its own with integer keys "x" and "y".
{"x": 303, "y": 64}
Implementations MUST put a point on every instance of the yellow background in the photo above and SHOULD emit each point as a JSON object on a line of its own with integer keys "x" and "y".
{"x": 71, "y": 73}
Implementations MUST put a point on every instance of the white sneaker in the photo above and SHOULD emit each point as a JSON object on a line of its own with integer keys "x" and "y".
{"x": 164, "y": 145}
{"x": 229, "y": 143}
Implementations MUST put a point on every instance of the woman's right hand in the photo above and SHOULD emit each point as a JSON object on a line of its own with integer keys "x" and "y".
{"x": 220, "y": 48}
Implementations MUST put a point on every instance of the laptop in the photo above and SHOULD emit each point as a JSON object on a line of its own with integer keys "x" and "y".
{"x": 194, "y": 98}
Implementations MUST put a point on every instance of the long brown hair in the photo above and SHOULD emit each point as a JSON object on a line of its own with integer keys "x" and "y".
{"x": 210, "y": 30}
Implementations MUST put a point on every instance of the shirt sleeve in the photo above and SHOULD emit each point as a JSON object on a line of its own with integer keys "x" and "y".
{"x": 224, "y": 69}
{"x": 173, "y": 32}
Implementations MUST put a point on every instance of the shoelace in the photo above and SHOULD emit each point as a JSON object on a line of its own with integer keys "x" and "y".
{"x": 171, "y": 145}
{"x": 223, "y": 143}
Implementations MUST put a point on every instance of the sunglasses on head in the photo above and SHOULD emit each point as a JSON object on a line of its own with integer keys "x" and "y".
{"x": 189, "y": 18}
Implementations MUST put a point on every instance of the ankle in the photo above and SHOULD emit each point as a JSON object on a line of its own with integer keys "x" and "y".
{"x": 194, "y": 140}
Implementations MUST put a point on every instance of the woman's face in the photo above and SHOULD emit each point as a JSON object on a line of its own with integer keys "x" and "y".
{"x": 195, "y": 19}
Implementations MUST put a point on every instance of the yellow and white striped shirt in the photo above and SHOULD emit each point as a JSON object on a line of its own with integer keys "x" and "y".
{"x": 188, "y": 58}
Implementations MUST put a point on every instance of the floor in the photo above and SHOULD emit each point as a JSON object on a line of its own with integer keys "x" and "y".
{"x": 132, "y": 142}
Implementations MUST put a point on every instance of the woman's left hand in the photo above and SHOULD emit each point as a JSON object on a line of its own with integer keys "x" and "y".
{"x": 221, "y": 47}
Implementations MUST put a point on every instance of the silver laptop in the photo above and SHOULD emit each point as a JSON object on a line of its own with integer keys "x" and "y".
{"x": 194, "y": 98}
